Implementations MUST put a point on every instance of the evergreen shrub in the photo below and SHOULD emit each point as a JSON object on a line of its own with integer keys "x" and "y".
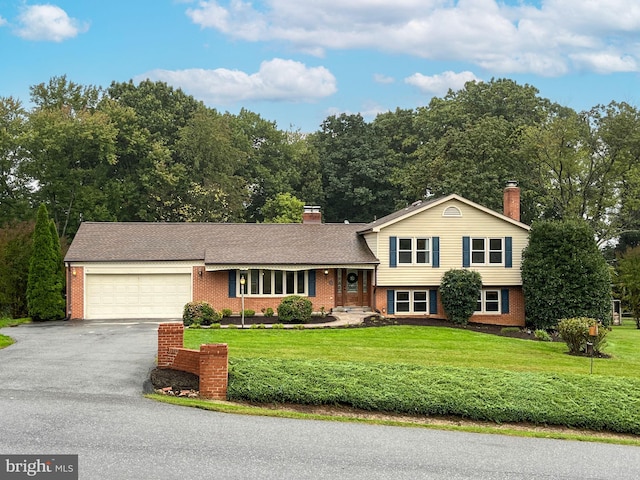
{"x": 459, "y": 292}
{"x": 295, "y": 308}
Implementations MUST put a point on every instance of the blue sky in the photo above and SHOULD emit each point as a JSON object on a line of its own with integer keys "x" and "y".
{"x": 296, "y": 62}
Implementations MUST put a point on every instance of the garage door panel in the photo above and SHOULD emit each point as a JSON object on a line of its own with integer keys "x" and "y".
{"x": 136, "y": 296}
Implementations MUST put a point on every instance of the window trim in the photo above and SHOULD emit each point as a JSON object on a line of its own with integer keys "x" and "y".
{"x": 482, "y": 301}
{"x": 273, "y": 273}
{"x": 412, "y": 302}
{"x": 487, "y": 251}
{"x": 428, "y": 252}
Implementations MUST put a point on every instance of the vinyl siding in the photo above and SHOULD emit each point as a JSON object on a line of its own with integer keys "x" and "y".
{"x": 450, "y": 230}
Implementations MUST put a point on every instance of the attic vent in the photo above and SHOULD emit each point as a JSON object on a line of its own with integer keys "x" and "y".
{"x": 452, "y": 212}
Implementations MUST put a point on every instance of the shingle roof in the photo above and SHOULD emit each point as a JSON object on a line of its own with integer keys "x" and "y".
{"x": 418, "y": 205}
{"x": 221, "y": 243}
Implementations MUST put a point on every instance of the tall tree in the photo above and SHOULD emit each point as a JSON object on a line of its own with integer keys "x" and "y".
{"x": 13, "y": 190}
{"x": 270, "y": 165}
{"x": 212, "y": 152}
{"x": 399, "y": 133}
{"x": 44, "y": 297}
{"x": 583, "y": 161}
{"x": 61, "y": 93}
{"x": 357, "y": 180}
{"x": 468, "y": 143}
{"x": 16, "y": 242}
{"x": 159, "y": 108}
{"x": 136, "y": 188}
{"x": 628, "y": 280}
{"x": 69, "y": 158}
{"x": 304, "y": 172}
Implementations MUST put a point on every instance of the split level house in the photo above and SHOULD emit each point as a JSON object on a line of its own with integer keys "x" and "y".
{"x": 393, "y": 265}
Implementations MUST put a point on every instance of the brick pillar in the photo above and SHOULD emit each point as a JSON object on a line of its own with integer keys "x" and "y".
{"x": 170, "y": 336}
{"x": 214, "y": 368}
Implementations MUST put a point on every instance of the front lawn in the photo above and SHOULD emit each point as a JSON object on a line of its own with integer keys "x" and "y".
{"x": 436, "y": 371}
{"x": 427, "y": 346}
{"x": 8, "y": 322}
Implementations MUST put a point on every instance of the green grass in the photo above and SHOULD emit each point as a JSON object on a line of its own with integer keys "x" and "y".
{"x": 426, "y": 346}
{"x": 436, "y": 371}
{"x": 9, "y": 322}
{"x": 243, "y": 409}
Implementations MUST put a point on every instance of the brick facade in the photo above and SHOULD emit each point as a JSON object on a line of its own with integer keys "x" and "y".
{"x": 210, "y": 363}
{"x": 515, "y": 317}
{"x": 75, "y": 292}
{"x": 213, "y": 287}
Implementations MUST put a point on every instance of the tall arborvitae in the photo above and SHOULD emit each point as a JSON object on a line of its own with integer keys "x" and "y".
{"x": 44, "y": 289}
{"x": 57, "y": 248}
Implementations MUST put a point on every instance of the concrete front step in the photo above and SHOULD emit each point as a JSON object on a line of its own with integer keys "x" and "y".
{"x": 351, "y": 309}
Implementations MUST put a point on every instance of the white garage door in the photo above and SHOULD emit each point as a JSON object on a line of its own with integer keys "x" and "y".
{"x": 137, "y": 296}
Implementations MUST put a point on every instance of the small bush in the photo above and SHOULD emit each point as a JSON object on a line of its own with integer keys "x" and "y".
{"x": 277, "y": 326}
{"x": 542, "y": 335}
{"x": 232, "y": 325}
{"x": 199, "y": 313}
{"x": 575, "y": 333}
{"x": 215, "y": 325}
{"x": 268, "y": 312}
{"x": 509, "y": 330}
{"x": 249, "y": 313}
{"x": 226, "y": 312}
{"x": 259, "y": 326}
{"x": 295, "y": 308}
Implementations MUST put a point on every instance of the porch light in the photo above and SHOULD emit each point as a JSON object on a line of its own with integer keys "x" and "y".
{"x": 326, "y": 271}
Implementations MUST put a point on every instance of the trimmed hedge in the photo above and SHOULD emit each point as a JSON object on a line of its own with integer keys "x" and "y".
{"x": 577, "y": 401}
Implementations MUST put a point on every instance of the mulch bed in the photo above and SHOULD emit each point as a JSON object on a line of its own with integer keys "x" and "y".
{"x": 522, "y": 333}
{"x": 257, "y": 320}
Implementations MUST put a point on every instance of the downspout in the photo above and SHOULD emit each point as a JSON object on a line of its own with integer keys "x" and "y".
{"x": 374, "y": 280}
{"x": 68, "y": 290}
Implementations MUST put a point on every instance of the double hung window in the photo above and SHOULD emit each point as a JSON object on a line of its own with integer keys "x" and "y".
{"x": 488, "y": 301}
{"x": 487, "y": 251}
{"x": 414, "y": 251}
{"x": 411, "y": 301}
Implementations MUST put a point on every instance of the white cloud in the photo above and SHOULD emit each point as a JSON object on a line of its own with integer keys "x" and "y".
{"x": 384, "y": 79}
{"x": 551, "y": 37}
{"x": 3, "y": 22}
{"x": 440, "y": 84}
{"x": 48, "y": 23}
{"x": 276, "y": 80}
{"x": 605, "y": 62}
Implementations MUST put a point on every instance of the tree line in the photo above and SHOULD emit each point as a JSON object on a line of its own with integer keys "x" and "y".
{"x": 149, "y": 152}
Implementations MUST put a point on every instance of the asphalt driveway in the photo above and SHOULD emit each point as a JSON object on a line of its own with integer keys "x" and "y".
{"x": 76, "y": 388}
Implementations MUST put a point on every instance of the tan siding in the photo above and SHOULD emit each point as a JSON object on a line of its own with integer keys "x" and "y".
{"x": 372, "y": 243}
{"x": 431, "y": 223}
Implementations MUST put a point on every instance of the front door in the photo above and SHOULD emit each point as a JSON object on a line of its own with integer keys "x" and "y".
{"x": 351, "y": 287}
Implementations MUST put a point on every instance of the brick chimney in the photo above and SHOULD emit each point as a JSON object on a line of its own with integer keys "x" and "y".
{"x": 512, "y": 200}
{"x": 311, "y": 214}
